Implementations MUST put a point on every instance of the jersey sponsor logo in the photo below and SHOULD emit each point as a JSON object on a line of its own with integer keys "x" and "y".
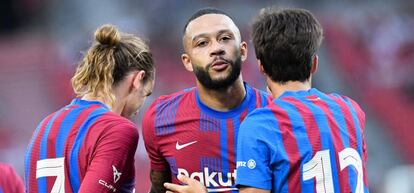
{"x": 117, "y": 175}
{"x": 207, "y": 178}
{"x": 178, "y": 146}
{"x": 107, "y": 185}
{"x": 251, "y": 164}
{"x": 241, "y": 164}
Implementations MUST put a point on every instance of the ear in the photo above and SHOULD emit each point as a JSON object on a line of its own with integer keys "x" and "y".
{"x": 314, "y": 66}
{"x": 243, "y": 51}
{"x": 137, "y": 79}
{"x": 185, "y": 58}
{"x": 261, "y": 69}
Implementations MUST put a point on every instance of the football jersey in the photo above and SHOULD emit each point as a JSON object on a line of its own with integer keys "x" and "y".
{"x": 304, "y": 141}
{"x": 185, "y": 136}
{"x": 83, "y": 147}
{"x": 10, "y": 182}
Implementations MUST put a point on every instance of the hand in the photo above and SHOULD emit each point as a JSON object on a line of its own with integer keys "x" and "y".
{"x": 193, "y": 186}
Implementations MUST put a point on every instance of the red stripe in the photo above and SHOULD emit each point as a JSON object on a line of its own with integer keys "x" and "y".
{"x": 34, "y": 155}
{"x": 269, "y": 99}
{"x": 243, "y": 114}
{"x": 336, "y": 138}
{"x": 258, "y": 98}
{"x": 291, "y": 147}
{"x": 310, "y": 123}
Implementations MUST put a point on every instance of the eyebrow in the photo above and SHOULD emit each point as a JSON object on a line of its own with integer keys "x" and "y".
{"x": 205, "y": 34}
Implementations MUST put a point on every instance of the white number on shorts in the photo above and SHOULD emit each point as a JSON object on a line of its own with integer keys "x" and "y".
{"x": 319, "y": 167}
{"x": 52, "y": 167}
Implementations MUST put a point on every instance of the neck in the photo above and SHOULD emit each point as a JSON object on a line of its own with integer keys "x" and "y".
{"x": 223, "y": 100}
{"x": 278, "y": 89}
{"x": 115, "y": 107}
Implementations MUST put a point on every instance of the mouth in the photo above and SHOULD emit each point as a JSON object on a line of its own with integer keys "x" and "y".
{"x": 219, "y": 65}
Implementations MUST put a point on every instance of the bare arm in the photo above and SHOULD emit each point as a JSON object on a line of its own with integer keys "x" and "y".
{"x": 158, "y": 179}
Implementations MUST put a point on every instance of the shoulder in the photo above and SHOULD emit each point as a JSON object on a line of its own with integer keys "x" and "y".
{"x": 259, "y": 113}
{"x": 174, "y": 95}
{"x": 268, "y": 116}
{"x": 351, "y": 103}
{"x": 112, "y": 124}
{"x": 260, "y": 126}
{"x": 165, "y": 102}
{"x": 112, "y": 120}
{"x": 259, "y": 118}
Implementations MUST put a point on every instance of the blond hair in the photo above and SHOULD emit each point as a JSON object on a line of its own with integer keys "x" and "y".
{"x": 108, "y": 60}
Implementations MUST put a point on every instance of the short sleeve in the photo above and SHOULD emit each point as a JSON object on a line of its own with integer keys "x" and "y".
{"x": 253, "y": 153}
{"x": 157, "y": 160}
{"x": 112, "y": 168}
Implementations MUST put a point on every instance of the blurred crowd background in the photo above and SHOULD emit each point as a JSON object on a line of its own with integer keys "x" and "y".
{"x": 367, "y": 54}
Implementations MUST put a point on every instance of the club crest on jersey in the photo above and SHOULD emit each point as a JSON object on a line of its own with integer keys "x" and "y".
{"x": 117, "y": 175}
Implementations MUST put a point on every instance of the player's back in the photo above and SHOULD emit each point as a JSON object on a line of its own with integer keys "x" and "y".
{"x": 316, "y": 143}
{"x": 10, "y": 182}
{"x": 81, "y": 148}
{"x": 328, "y": 131}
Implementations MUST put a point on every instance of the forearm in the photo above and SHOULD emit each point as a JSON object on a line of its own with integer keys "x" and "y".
{"x": 158, "y": 179}
{"x": 156, "y": 188}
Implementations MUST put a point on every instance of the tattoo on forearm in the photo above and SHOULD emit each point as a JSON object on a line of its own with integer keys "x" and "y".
{"x": 158, "y": 179}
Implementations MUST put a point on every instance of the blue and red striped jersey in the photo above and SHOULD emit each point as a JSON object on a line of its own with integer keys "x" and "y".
{"x": 10, "y": 181}
{"x": 83, "y": 147}
{"x": 304, "y": 141}
{"x": 185, "y": 136}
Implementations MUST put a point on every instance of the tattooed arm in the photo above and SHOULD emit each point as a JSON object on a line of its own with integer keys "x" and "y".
{"x": 158, "y": 179}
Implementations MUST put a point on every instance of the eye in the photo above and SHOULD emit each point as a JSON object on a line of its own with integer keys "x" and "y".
{"x": 201, "y": 43}
{"x": 225, "y": 38}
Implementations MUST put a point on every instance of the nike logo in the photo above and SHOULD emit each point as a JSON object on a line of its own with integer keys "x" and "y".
{"x": 178, "y": 146}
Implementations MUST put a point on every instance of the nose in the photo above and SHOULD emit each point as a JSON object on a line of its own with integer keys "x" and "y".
{"x": 217, "y": 50}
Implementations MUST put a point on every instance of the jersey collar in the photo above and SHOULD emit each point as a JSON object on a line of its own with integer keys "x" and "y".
{"x": 80, "y": 102}
{"x": 227, "y": 114}
{"x": 301, "y": 93}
